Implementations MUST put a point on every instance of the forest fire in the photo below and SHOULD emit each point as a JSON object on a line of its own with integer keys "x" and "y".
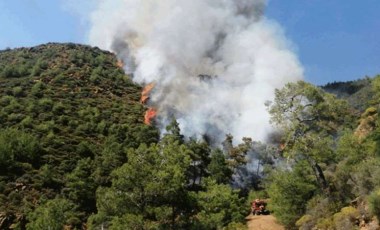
{"x": 146, "y": 91}
{"x": 120, "y": 63}
{"x": 150, "y": 114}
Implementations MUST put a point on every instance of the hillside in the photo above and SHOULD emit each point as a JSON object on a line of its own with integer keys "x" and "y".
{"x": 76, "y": 153}
{"x": 358, "y": 93}
{"x": 65, "y": 106}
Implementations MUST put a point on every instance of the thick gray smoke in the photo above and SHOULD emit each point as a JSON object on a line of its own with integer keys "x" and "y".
{"x": 214, "y": 62}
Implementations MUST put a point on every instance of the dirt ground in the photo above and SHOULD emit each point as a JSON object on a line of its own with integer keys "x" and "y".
{"x": 263, "y": 222}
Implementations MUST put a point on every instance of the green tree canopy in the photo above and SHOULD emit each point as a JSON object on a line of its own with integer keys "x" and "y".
{"x": 18, "y": 146}
{"x": 309, "y": 118}
{"x": 151, "y": 184}
{"x": 289, "y": 192}
{"x": 55, "y": 215}
{"x": 219, "y": 206}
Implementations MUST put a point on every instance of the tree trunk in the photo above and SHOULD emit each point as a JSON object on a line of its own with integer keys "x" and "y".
{"x": 318, "y": 172}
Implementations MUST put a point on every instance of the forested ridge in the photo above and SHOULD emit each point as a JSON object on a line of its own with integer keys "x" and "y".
{"x": 75, "y": 153}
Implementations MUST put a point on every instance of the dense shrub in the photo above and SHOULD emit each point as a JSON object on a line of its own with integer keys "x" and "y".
{"x": 374, "y": 203}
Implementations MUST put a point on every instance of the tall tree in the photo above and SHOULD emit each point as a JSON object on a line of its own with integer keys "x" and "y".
{"x": 200, "y": 159}
{"x": 173, "y": 133}
{"x": 236, "y": 155}
{"x": 219, "y": 205}
{"x": 218, "y": 168}
{"x": 151, "y": 185}
{"x": 309, "y": 119}
{"x": 289, "y": 192}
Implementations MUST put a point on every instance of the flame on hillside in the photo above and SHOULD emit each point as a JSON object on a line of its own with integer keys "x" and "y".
{"x": 146, "y": 91}
{"x": 150, "y": 114}
{"x": 234, "y": 41}
{"x": 120, "y": 63}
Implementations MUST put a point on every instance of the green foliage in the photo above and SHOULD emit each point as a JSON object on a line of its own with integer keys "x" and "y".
{"x": 357, "y": 172}
{"x": 351, "y": 148}
{"x": 374, "y": 203}
{"x": 219, "y": 205}
{"x": 10, "y": 72}
{"x": 359, "y": 93}
{"x": 320, "y": 210}
{"x": 17, "y": 91}
{"x": 218, "y": 167}
{"x": 130, "y": 221}
{"x": 301, "y": 107}
{"x": 60, "y": 132}
{"x": 365, "y": 176}
{"x": 236, "y": 154}
{"x": 159, "y": 182}
{"x": 173, "y": 132}
{"x": 200, "y": 160}
{"x": 48, "y": 177}
{"x": 158, "y": 195}
{"x": 260, "y": 194}
{"x": 74, "y": 150}
{"x": 376, "y": 88}
{"x": 346, "y": 218}
{"x": 155, "y": 171}
{"x": 55, "y": 214}
{"x": 289, "y": 192}
{"x": 45, "y": 104}
{"x": 305, "y": 222}
{"x": 111, "y": 157}
{"x": 343, "y": 162}
{"x": 80, "y": 186}
{"x": 17, "y": 146}
{"x": 309, "y": 119}
{"x": 37, "y": 89}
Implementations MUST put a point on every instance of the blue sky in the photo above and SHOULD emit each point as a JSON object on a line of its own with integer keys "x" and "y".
{"x": 336, "y": 40}
{"x": 32, "y": 22}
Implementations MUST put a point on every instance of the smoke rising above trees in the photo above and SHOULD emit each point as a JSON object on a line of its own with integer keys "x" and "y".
{"x": 172, "y": 42}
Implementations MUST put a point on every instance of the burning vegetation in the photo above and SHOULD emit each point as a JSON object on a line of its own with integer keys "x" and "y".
{"x": 146, "y": 92}
{"x": 151, "y": 113}
{"x": 120, "y": 63}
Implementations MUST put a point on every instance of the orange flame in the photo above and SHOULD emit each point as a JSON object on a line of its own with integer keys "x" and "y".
{"x": 120, "y": 64}
{"x": 150, "y": 114}
{"x": 146, "y": 91}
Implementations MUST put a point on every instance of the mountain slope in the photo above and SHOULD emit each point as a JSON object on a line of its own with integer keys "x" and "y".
{"x": 68, "y": 105}
{"x": 358, "y": 93}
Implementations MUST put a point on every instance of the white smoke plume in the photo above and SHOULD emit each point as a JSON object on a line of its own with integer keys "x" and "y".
{"x": 215, "y": 62}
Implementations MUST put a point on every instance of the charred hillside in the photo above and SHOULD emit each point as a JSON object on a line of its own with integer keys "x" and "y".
{"x": 67, "y": 112}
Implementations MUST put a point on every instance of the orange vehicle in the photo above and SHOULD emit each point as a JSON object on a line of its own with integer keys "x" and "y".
{"x": 258, "y": 207}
